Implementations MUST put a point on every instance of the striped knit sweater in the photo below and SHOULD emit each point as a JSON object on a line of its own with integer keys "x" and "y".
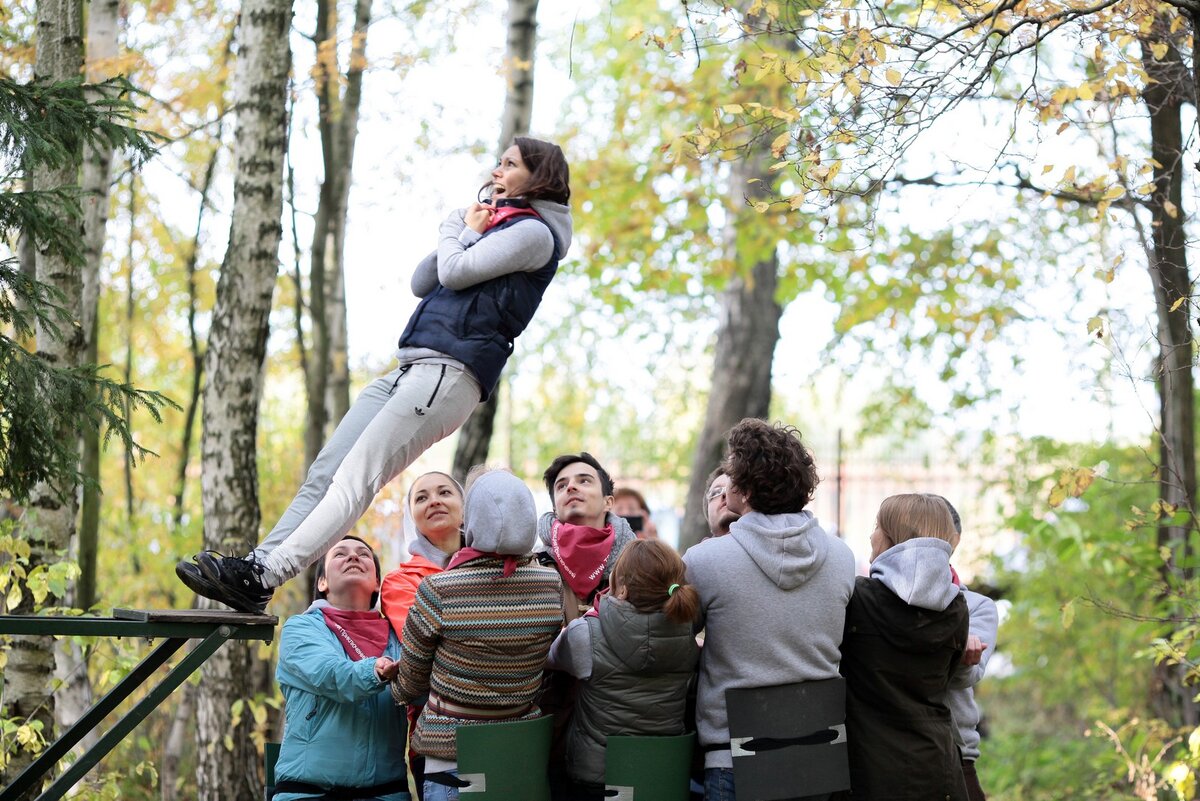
{"x": 477, "y": 642}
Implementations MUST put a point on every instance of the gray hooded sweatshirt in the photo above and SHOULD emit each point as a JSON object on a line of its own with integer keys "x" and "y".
{"x": 773, "y": 596}
{"x": 918, "y": 572}
{"x": 459, "y": 262}
{"x": 985, "y": 621}
{"x": 464, "y": 258}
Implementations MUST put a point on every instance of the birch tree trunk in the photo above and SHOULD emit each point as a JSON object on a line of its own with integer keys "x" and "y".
{"x": 746, "y": 337}
{"x": 337, "y": 398}
{"x": 195, "y": 347}
{"x": 191, "y": 265}
{"x": 49, "y": 521}
{"x": 475, "y": 435}
{"x": 75, "y": 694}
{"x": 176, "y": 741}
{"x": 227, "y": 766}
{"x": 96, "y": 185}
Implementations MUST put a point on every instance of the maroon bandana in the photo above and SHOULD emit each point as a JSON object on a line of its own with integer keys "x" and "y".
{"x": 467, "y": 554}
{"x": 362, "y": 634}
{"x": 581, "y": 553}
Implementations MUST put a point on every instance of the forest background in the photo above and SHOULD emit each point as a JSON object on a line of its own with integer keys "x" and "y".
{"x": 950, "y": 242}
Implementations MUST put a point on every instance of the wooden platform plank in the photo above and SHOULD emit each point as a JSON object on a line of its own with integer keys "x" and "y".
{"x": 194, "y": 616}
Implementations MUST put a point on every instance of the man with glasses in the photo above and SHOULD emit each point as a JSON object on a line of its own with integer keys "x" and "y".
{"x": 716, "y": 510}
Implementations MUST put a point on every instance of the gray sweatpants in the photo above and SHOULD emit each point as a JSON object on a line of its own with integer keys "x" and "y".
{"x": 392, "y": 422}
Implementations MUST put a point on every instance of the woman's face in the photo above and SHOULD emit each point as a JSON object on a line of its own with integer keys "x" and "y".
{"x": 879, "y": 542}
{"x": 437, "y": 508}
{"x": 510, "y": 176}
{"x": 350, "y": 578}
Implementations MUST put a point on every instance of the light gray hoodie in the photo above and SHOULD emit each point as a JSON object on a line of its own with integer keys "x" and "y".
{"x": 773, "y": 596}
{"x": 960, "y": 698}
{"x": 464, "y": 257}
{"x": 918, "y": 572}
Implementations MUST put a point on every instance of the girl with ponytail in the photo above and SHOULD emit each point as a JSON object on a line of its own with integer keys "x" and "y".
{"x": 634, "y": 653}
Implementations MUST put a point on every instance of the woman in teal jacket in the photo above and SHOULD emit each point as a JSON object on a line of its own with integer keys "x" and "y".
{"x": 343, "y": 736}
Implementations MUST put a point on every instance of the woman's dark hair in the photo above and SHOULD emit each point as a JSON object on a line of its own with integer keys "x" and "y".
{"x": 770, "y": 465}
{"x": 556, "y": 467}
{"x": 549, "y": 175}
{"x": 654, "y": 579}
{"x": 321, "y": 594}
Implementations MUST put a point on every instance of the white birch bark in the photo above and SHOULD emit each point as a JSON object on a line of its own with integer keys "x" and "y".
{"x": 227, "y": 766}
{"x": 49, "y": 521}
{"x": 75, "y": 695}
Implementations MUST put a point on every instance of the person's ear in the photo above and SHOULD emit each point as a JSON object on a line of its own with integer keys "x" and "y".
{"x": 609, "y": 500}
{"x": 323, "y": 584}
{"x": 621, "y": 593}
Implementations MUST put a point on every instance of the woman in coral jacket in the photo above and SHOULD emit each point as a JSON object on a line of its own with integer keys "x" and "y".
{"x": 433, "y": 516}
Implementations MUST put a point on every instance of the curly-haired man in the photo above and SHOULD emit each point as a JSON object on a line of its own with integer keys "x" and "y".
{"x": 773, "y": 593}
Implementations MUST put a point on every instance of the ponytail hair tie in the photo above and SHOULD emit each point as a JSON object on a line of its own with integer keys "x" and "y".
{"x": 671, "y": 590}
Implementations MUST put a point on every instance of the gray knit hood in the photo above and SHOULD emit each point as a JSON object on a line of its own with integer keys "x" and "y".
{"x": 787, "y": 548}
{"x": 918, "y": 572}
{"x": 558, "y": 218}
{"x": 499, "y": 515}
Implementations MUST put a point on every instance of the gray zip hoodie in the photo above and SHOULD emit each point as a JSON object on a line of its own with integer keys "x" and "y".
{"x": 464, "y": 257}
{"x": 773, "y": 598}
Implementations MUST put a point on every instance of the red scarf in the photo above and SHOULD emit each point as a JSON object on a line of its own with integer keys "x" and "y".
{"x": 467, "y": 554}
{"x": 509, "y": 212}
{"x": 954, "y": 577}
{"x": 581, "y": 553}
{"x": 362, "y": 634}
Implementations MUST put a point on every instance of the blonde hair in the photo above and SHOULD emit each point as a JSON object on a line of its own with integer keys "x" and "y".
{"x": 915, "y": 514}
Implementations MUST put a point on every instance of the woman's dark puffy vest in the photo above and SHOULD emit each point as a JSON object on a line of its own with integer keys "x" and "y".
{"x": 477, "y": 325}
{"x": 641, "y": 666}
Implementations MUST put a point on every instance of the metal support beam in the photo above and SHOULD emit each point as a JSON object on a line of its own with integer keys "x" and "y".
{"x": 213, "y": 628}
{"x": 178, "y": 675}
{"x": 46, "y": 761}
